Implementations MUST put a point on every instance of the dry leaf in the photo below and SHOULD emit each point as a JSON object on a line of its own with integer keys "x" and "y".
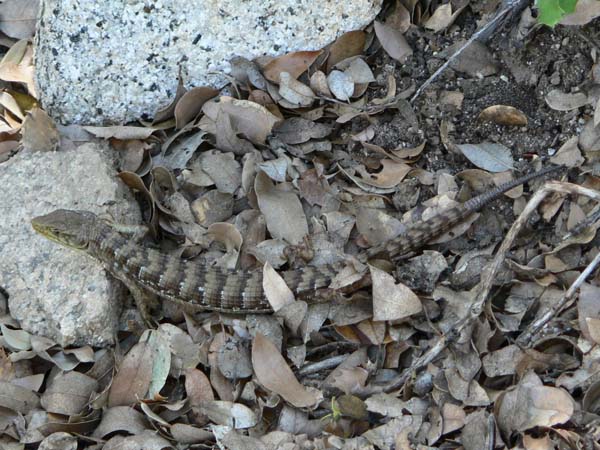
{"x": 351, "y": 406}
{"x": 120, "y": 418}
{"x": 134, "y": 376}
{"x": 475, "y": 60}
{"x": 443, "y": 17}
{"x": 16, "y": 340}
{"x": 277, "y": 292}
{"x": 188, "y": 434}
{"x": 589, "y": 138}
{"x": 7, "y": 148}
{"x": 282, "y": 210}
{"x": 502, "y": 362}
{"x": 121, "y": 132}
{"x": 227, "y": 136}
{"x": 17, "y": 398}
{"x": 190, "y": 104}
{"x": 276, "y": 169}
{"x": 585, "y": 12}
{"x": 588, "y": 308}
{"x": 393, "y": 42}
{"x": 165, "y": 113}
{"x": 390, "y": 175}
{"x": 10, "y": 103}
{"x": 233, "y": 358}
{"x": 223, "y": 169}
{"x": 227, "y": 234}
{"x": 348, "y": 376}
{"x": 404, "y": 153}
{"x": 503, "y": 115}
{"x": 399, "y": 18}
{"x": 17, "y": 65}
{"x": 569, "y": 154}
{"x": 561, "y": 101}
{"x": 212, "y": 207}
{"x": 488, "y": 155}
{"x": 295, "y": 64}
{"x": 318, "y": 83}
{"x": 177, "y": 155}
{"x": 341, "y": 85}
{"x": 246, "y": 71}
{"x": 233, "y": 415}
{"x": 391, "y": 300}
{"x": 19, "y": 18}
{"x": 532, "y": 404}
{"x": 576, "y": 216}
{"x": 384, "y": 437}
{"x": 348, "y": 44}
{"x": 295, "y": 92}
{"x": 453, "y": 416}
{"x": 376, "y": 226}
{"x": 68, "y": 393}
{"x": 365, "y": 135}
{"x": 371, "y": 330}
{"x": 453, "y": 98}
{"x": 357, "y": 69}
{"x": 274, "y": 374}
{"x": 39, "y": 132}
{"x": 223, "y": 387}
{"x": 250, "y": 119}
{"x": 297, "y": 130}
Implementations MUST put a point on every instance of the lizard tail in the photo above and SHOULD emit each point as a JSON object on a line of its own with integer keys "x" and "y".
{"x": 419, "y": 233}
{"x": 481, "y": 200}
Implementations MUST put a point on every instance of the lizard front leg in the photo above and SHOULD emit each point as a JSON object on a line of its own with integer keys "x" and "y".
{"x": 145, "y": 301}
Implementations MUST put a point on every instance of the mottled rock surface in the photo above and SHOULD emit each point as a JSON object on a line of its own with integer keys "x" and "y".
{"x": 54, "y": 291}
{"x": 118, "y": 60}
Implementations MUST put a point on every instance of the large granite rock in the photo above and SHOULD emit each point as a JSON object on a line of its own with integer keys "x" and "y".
{"x": 118, "y": 60}
{"x": 54, "y": 291}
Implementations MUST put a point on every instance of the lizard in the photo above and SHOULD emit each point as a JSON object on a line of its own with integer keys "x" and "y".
{"x": 148, "y": 272}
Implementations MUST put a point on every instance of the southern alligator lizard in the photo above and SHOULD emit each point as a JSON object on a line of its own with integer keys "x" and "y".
{"x": 146, "y": 270}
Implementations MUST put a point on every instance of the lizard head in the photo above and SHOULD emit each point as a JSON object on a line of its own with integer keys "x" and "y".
{"x": 69, "y": 228}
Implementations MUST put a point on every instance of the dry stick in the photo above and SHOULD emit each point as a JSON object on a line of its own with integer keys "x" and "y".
{"x": 590, "y": 221}
{"x": 492, "y": 270}
{"x": 486, "y": 283}
{"x": 325, "y": 364}
{"x": 483, "y": 33}
{"x": 535, "y": 327}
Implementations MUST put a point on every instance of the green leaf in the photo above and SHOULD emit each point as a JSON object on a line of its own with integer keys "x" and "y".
{"x": 568, "y": 6}
{"x": 551, "y": 11}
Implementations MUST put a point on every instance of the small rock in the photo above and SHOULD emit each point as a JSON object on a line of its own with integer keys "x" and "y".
{"x": 55, "y": 291}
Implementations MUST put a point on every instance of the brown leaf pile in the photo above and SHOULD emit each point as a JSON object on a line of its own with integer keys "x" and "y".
{"x": 279, "y": 172}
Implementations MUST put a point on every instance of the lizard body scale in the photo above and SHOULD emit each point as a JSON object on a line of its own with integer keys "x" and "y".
{"x": 203, "y": 287}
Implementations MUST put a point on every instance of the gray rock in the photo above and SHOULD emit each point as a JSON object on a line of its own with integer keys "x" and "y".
{"x": 54, "y": 291}
{"x": 116, "y": 61}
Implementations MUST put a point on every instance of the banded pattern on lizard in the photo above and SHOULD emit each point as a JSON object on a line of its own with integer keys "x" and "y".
{"x": 146, "y": 270}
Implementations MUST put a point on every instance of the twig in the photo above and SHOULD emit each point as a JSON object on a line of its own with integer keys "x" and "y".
{"x": 325, "y": 364}
{"x": 590, "y": 221}
{"x": 492, "y": 270}
{"x": 400, "y": 380}
{"x": 539, "y": 324}
{"x": 486, "y": 283}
